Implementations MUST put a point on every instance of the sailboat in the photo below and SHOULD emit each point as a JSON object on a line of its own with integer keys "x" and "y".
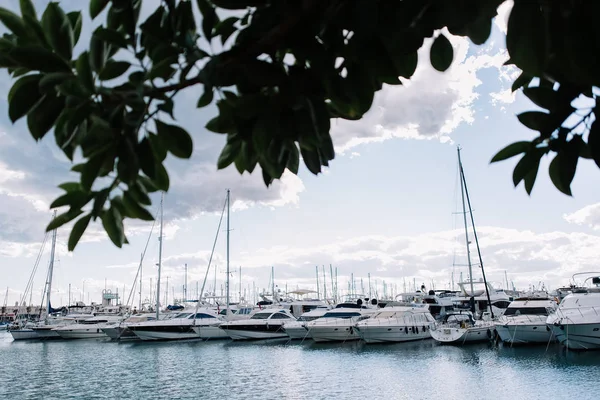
{"x": 462, "y": 327}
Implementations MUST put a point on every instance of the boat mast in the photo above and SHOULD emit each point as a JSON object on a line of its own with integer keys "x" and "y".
{"x": 160, "y": 245}
{"x": 50, "y": 270}
{"x": 227, "y": 281}
{"x": 462, "y": 193}
{"x": 141, "y": 261}
{"x": 273, "y": 283}
{"x": 185, "y": 285}
{"x": 466, "y": 193}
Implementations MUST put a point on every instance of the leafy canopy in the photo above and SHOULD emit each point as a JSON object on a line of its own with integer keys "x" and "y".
{"x": 288, "y": 67}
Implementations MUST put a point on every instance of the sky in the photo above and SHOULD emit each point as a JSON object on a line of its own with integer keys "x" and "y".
{"x": 385, "y": 208}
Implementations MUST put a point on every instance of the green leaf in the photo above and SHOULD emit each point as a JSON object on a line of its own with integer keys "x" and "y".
{"x": 147, "y": 158}
{"x": 77, "y": 231}
{"x": 139, "y": 193}
{"x": 27, "y": 8}
{"x": 84, "y": 72}
{"x": 545, "y": 97}
{"x": 226, "y": 28}
{"x": 23, "y": 95}
{"x": 62, "y": 219}
{"x": 76, "y": 21}
{"x": 99, "y": 202}
{"x": 526, "y": 39}
{"x": 206, "y": 98}
{"x": 13, "y": 22}
{"x": 112, "y": 221}
{"x": 49, "y": 81}
{"x": 529, "y": 161}
{"x": 228, "y": 154}
{"x": 523, "y": 80}
{"x": 71, "y": 186}
{"x": 293, "y": 162}
{"x": 162, "y": 178}
{"x": 563, "y": 166}
{"x": 134, "y": 209}
{"x": 90, "y": 171}
{"x": 163, "y": 69}
{"x": 38, "y": 59}
{"x": 512, "y": 150}
{"x": 128, "y": 165}
{"x": 112, "y": 37}
{"x": 96, "y": 7}
{"x": 36, "y": 31}
{"x": 209, "y": 18}
{"x": 58, "y": 30}
{"x": 74, "y": 199}
{"x": 311, "y": 160}
{"x": 176, "y": 139}
{"x": 536, "y": 120}
{"x": 530, "y": 177}
{"x": 441, "y": 53}
{"x": 43, "y": 115}
{"x": 113, "y": 69}
{"x": 98, "y": 53}
{"x": 594, "y": 142}
{"x": 148, "y": 184}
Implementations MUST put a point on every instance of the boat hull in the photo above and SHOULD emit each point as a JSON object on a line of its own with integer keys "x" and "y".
{"x": 525, "y": 333}
{"x": 82, "y": 333}
{"x": 337, "y": 333}
{"x": 119, "y": 333}
{"x": 578, "y": 336}
{"x": 210, "y": 332}
{"x": 46, "y": 333}
{"x": 254, "y": 331}
{"x": 165, "y": 335}
{"x": 452, "y": 335}
{"x": 24, "y": 334}
{"x": 384, "y": 334}
{"x": 296, "y": 332}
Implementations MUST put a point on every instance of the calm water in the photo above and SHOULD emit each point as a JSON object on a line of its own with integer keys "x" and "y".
{"x": 96, "y": 369}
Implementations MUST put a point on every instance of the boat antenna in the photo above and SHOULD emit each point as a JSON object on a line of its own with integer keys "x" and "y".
{"x": 466, "y": 192}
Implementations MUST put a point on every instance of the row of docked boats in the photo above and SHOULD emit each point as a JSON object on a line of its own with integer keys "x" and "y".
{"x": 536, "y": 318}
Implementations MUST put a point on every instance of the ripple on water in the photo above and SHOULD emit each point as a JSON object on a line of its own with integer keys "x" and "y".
{"x": 98, "y": 369}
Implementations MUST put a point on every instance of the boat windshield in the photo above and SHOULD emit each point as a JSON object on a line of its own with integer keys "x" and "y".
{"x": 390, "y": 314}
{"x": 261, "y": 316}
{"x": 343, "y": 315}
{"x": 182, "y": 315}
{"x": 526, "y": 311}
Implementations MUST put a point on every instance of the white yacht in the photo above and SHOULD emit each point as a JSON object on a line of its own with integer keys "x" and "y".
{"x": 46, "y": 329}
{"x": 121, "y": 330}
{"x": 576, "y": 321}
{"x": 298, "y": 329}
{"x": 88, "y": 329}
{"x": 338, "y": 324}
{"x": 22, "y": 330}
{"x": 460, "y": 327}
{"x": 264, "y": 324}
{"x": 180, "y": 326}
{"x": 397, "y": 324}
{"x": 524, "y": 321}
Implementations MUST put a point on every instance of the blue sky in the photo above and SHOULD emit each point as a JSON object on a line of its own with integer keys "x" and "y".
{"x": 384, "y": 206}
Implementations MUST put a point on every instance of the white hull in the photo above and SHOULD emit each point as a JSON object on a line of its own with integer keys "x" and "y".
{"x": 154, "y": 335}
{"x": 383, "y": 334}
{"x": 462, "y": 335}
{"x": 79, "y": 333}
{"x": 254, "y": 335}
{"x": 210, "y": 332}
{"x": 578, "y": 336}
{"x": 24, "y": 334}
{"x": 46, "y": 333}
{"x": 296, "y": 332}
{"x": 523, "y": 334}
{"x": 333, "y": 333}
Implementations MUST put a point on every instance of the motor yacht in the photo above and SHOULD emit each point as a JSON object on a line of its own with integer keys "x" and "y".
{"x": 179, "y": 327}
{"x": 88, "y": 329}
{"x": 264, "y": 324}
{"x": 576, "y": 321}
{"x": 397, "y": 324}
{"x": 338, "y": 323}
{"x": 121, "y": 330}
{"x": 298, "y": 329}
{"x": 524, "y": 321}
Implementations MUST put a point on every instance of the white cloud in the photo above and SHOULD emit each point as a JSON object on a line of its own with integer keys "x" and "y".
{"x": 430, "y": 106}
{"x": 587, "y": 216}
{"x": 501, "y": 19}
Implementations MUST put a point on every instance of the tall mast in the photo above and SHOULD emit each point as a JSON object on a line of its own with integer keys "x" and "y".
{"x": 51, "y": 269}
{"x": 141, "y": 261}
{"x": 324, "y": 285}
{"x": 185, "y": 285}
{"x": 160, "y": 246}
{"x": 462, "y": 192}
{"x": 273, "y": 283}
{"x": 487, "y": 292}
{"x": 227, "y": 281}
{"x": 318, "y": 289}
